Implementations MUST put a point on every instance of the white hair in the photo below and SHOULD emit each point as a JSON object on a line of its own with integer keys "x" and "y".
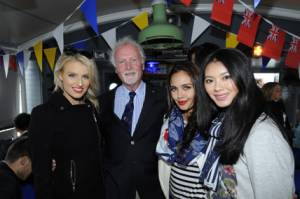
{"x": 125, "y": 41}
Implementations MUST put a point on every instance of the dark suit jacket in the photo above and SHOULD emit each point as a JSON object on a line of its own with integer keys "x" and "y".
{"x": 131, "y": 162}
{"x": 9, "y": 183}
{"x": 4, "y": 144}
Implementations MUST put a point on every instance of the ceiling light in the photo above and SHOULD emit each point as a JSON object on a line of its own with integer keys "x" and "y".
{"x": 257, "y": 50}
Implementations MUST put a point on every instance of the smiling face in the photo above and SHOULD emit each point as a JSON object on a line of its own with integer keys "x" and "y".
{"x": 129, "y": 66}
{"x": 219, "y": 85}
{"x": 75, "y": 81}
{"x": 182, "y": 91}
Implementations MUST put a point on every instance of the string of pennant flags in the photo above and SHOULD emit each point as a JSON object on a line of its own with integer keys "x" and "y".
{"x": 221, "y": 12}
{"x": 273, "y": 44}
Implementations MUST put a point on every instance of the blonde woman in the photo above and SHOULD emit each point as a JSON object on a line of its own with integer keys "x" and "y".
{"x": 65, "y": 129}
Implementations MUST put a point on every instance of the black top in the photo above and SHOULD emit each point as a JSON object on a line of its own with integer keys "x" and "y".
{"x": 9, "y": 183}
{"x": 278, "y": 111}
{"x": 69, "y": 134}
{"x": 4, "y": 144}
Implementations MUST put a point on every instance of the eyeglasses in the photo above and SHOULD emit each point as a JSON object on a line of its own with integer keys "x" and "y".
{"x": 74, "y": 51}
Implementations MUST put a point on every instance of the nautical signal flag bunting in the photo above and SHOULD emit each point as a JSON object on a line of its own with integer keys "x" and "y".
{"x": 293, "y": 56}
{"x": 274, "y": 43}
{"x": 222, "y": 11}
{"x": 248, "y": 28}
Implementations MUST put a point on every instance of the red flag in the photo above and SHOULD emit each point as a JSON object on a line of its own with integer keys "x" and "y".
{"x": 248, "y": 28}
{"x": 12, "y": 62}
{"x": 274, "y": 43}
{"x": 222, "y": 11}
{"x": 186, "y": 2}
{"x": 293, "y": 57}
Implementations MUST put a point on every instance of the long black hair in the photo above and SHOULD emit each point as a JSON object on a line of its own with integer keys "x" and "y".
{"x": 245, "y": 108}
{"x": 193, "y": 125}
{"x": 201, "y": 51}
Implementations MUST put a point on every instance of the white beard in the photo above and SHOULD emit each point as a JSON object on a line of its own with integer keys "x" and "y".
{"x": 131, "y": 77}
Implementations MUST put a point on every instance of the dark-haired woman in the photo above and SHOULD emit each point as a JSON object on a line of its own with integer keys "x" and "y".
{"x": 273, "y": 94}
{"x": 182, "y": 144}
{"x": 250, "y": 138}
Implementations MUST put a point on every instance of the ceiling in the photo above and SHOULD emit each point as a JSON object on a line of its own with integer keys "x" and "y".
{"x": 24, "y": 20}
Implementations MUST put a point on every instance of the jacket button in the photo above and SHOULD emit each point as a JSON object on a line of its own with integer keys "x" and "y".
{"x": 61, "y": 108}
{"x": 132, "y": 142}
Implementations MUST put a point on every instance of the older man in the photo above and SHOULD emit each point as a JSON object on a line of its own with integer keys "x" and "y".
{"x": 131, "y": 117}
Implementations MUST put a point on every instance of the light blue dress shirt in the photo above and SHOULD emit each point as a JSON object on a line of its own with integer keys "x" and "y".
{"x": 122, "y": 98}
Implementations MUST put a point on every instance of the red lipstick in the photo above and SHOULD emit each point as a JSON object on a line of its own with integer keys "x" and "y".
{"x": 182, "y": 102}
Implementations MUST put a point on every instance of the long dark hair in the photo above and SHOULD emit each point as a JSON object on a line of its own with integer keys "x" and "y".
{"x": 201, "y": 51}
{"x": 247, "y": 106}
{"x": 193, "y": 125}
{"x": 268, "y": 90}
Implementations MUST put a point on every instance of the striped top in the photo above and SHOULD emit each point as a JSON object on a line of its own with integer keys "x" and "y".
{"x": 184, "y": 182}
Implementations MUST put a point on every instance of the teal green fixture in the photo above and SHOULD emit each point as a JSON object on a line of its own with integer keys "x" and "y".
{"x": 161, "y": 34}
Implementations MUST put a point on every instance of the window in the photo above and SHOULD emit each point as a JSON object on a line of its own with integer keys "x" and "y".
{"x": 9, "y": 88}
{"x": 33, "y": 86}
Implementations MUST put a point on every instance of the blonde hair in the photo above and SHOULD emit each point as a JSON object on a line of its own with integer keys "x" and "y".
{"x": 93, "y": 90}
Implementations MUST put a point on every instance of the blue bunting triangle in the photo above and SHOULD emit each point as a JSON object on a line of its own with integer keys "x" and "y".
{"x": 265, "y": 61}
{"x": 89, "y": 10}
{"x": 255, "y": 3}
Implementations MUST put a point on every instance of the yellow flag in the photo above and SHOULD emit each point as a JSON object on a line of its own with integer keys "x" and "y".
{"x": 50, "y": 55}
{"x": 231, "y": 40}
{"x": 141, "y": 20}
{"x": 38, "y": 51}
